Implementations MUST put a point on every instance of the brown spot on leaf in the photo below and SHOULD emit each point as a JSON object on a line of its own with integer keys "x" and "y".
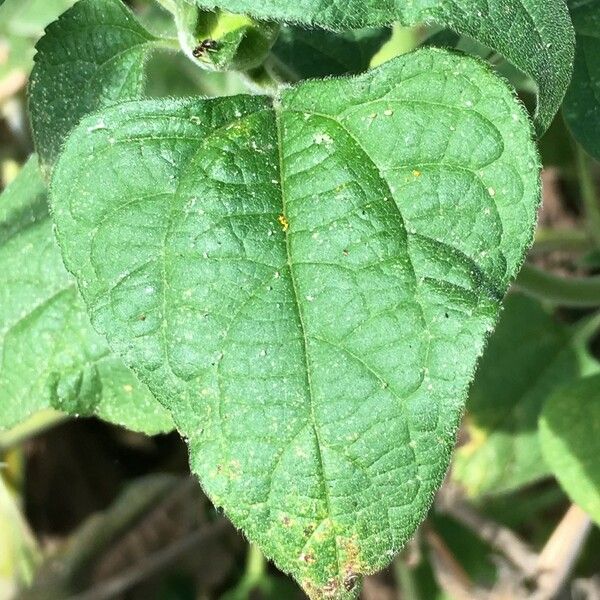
{"x": 350, "y": 581}
{"x": 307, "y": 558}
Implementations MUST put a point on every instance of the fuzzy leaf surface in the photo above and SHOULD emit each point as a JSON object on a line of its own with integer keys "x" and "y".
{"x": 307, "y": 283}
{"x": 536, "y": 36}
{"x": 50, "y": 356}
{"x": 91, "y": 57}
{"x": 310, "y": 54}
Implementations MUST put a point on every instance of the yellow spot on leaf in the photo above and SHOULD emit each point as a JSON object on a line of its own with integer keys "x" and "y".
{"x": 283, "y": 222}
{"x": 416, "y": 173}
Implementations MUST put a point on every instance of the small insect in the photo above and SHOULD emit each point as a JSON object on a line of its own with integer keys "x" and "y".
{"x": 205, "y": 46}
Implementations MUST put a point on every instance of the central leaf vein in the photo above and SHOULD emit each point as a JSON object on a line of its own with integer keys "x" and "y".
{"x": 313, "y": 420}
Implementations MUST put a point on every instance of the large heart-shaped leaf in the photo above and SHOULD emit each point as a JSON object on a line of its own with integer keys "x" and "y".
{"x": 50, "y": 356}
{"x": 307, "y": 283}
{"x": 536, "y": 36}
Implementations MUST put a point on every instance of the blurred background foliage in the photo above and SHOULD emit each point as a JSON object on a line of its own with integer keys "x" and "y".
{"x": 91, "y": 511}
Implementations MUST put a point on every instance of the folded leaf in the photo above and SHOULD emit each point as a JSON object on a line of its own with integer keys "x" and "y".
{"x": 582, "y": 102}
{"x": 307, "y": 282}
{"x": 569, "y": 433}
{"x": 91, "y": 57}
{"x": 50, "y": 355}
{"x": 235, "y": 42}
{"x": 534, "y": 35}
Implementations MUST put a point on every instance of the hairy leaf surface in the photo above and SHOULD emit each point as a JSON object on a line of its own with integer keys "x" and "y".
{"x": 534, "y": 35}
{"x": 307, "y": 54}
{"x": 570, "y": 437}
{"x": 50, "y": 356}
{"x": 582, "y": 102}
{"x": 240, "y": 42}
{"x": 307, "y": 284}
{"x": 91, "y": 57}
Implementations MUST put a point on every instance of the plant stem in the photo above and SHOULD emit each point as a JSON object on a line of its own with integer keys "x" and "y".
{"x": 502, "y": 539}
{"x": 168, "y": 44}
{"x": 405, "y": 580}
{"x": 154, "y": 563}
{"x": 579, "y": 292}
{"x": 256, "y": 565}
{"x": 550, "y": 240}
{"x": 561, "y": 552}
{"x": 253, "y": 577}
{"x": 591, "y": 202}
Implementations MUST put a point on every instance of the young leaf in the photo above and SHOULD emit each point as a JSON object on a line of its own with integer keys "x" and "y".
{"x": 582, "y": 102}
{"x": 529, "y": 355}
{"x": 50, "y": 355}
{"x": 310, "y": 54}
{"x": 91, "y": 57}
{"x": 569, "y": 433}
{"x": 235, "y": 42}
{"x": 317, "y": 274}
{"x": 534, "y": 35}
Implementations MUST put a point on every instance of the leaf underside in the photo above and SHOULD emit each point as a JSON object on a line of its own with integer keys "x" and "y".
{"x": 535, "y": 36}
{"x": 50, "y": 356}
{"x": 306, "y": 283}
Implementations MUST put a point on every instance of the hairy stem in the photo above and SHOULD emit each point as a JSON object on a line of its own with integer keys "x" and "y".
{"x": 568, "y": 240}
{"x": 561, "y": 552}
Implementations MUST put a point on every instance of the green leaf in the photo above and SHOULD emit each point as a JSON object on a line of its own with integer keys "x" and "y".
{"x": 50, "y": 355}
{"x": 317, "y": 275}
{"x": 582, "y": 102}
{"x": 310, "y": 54}
{"x": 534, "y": 35}
{"x": 529, "y": 355}
{"x": 91, "y": 57}
{"x": 570, "y": 438}
{"x": 20, "y": 553}
{"x": 239, "y": 42}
